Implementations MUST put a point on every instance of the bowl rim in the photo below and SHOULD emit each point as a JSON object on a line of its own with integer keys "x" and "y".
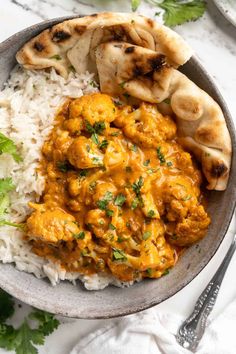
{"x": 30, "y": 300}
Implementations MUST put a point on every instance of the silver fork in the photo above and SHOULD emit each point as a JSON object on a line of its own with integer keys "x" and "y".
{"x": 192, "y": 329}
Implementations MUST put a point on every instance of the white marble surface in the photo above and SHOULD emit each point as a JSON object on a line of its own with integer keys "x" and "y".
{"x": 214, "y": 41}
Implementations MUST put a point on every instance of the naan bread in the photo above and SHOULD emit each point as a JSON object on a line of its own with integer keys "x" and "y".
{"x": 145, "y": 74}
{"x": 73, "y": 42}
{"x": 134, "y": 55}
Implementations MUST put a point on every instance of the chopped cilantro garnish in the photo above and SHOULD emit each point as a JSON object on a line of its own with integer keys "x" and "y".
{"x": 146, "y": 235}
{"x": 149, "y": 271}
{"x": 169, "y": 163}
{"x": 167, "y": 101}
{"x": 94, "y": 138}
{"x": 120, "y": 199}
{"x": 150, "y": 213}
{"x": 166, "y": 272}
{"x": 187, "y": 198}
{"x": 122, "y": 84}
{"x": 103, "y": 144}
{"x": 111, "y": 227}
{"x": 120, "y": 239}
{"x": 147, "y": 162}
{"x": 115, "y": 134}
{"x": 63, "y": 166}
{"x": 133, "y": 148}
{"x": 95, "y": 129}
{"x": 119, "y": 255}
{"x": 92, "y": 185}
{"x": 102, "y": 203}
{"x": 126, "y": 95}
{"x": 56, "y": 57}
{"x": 79, "y": 236}
{"x": 135, "y": 203}
{"x": 138, "y": 185}
{"x": 83, "y": 173}
{"x": 99, "y": 127}
{"x": 9, "y": 147}
{"x": 93, "y": 84}
{"x": 109, "y": 212}
{"x": 160, "y": 155}
{"x": 89, "y": 127}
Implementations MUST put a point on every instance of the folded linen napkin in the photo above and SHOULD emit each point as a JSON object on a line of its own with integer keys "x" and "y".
{"x": 153, "y": 332}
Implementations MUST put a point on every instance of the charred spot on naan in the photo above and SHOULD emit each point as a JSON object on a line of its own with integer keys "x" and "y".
{"x": 60, "y": 36}
{"x": 80, "y": 29}
{"x": 38, "y": 46}
{"x": 218, "y": 169}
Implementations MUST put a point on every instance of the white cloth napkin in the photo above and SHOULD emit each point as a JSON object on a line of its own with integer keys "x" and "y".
{"x": 153, "y": 332}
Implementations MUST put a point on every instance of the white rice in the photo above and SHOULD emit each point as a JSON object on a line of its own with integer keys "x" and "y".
{"x": 28, "y": 104}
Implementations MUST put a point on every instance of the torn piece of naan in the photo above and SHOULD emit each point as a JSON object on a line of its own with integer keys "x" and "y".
{"x": 72, "y": 43}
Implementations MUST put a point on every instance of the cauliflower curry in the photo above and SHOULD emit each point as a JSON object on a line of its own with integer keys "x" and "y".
{"x": 121, "y": 194}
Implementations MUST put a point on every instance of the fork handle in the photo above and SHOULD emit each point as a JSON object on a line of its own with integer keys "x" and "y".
{"x": 192, "y": 329}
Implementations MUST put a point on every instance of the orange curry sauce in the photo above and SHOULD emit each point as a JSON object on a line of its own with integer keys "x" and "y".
{"x": 121, "y": 194}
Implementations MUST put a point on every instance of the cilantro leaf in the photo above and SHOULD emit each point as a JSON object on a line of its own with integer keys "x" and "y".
{"x": 7, "y": 335}
{"x": 120, "y": 199}
{"x": 178, "y": 12}
{"x": 111, "y": 227}
{"x": 135, "y": 4}
{"x": 56, "y": 57}
{"x": 63, "y": 166}
{"x": 119, "y": 255}
{"x": 103, "y": 144}
{"x": 146, "y": 235}
{"x": 102, "y": 203}
{"x": 79, "y": 236}
{"x": 6, "y": 185}
{"x": 94, "y": 138}
{"x": 160, "y": 155}
{"x": 137, "y": 186}
{"x": 9, "y": 147}
{"x": 99, "y": 127}
{"x": 6, "y": 306}
{"x": 48, "y": 323}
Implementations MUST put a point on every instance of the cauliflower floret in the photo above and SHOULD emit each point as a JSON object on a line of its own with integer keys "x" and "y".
{"x": 93, "y": 108}
{"x": 97, "y": 221}
{"x": 146, "y": 125}
{"x": 192, "y": 228}
{"x": 83, "y": 153}
{"x": 51, "y": 225}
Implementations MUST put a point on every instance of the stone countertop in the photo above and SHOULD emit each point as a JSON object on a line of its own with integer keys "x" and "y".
{"x": 214, "y": 41}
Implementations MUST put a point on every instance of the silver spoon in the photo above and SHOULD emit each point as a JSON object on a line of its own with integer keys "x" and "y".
{"x": 192, "y": 329}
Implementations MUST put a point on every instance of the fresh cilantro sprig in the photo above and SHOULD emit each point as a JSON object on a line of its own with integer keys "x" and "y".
{"x": 177, "y": 12}
{"x": 9, "y": 147}
{"x": 6, "y": 306}
{"x": 24, "y": 338}
{"x": 6, "y": 186}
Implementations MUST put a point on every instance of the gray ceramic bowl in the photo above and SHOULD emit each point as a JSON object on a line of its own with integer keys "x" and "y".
{"x": 75, "y": 301}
